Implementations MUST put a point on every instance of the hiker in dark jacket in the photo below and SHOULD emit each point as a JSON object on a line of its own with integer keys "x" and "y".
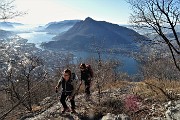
{"x": 86, "y": 77}
{"x": 68, "y": 86}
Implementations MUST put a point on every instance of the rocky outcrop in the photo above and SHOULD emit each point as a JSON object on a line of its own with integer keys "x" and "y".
{"x": 110, "y": 116}
{"x": 173, "y": 110}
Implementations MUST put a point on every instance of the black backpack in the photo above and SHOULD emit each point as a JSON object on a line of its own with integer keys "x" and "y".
{"x": 73, "y": 76}
{"x": 90, "y": 71}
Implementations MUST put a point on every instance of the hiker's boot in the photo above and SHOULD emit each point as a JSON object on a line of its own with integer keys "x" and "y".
{"x": 65, "y": 110}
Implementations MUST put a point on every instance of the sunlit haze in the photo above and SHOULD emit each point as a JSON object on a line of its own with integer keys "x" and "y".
{"x": 44, "y": 11}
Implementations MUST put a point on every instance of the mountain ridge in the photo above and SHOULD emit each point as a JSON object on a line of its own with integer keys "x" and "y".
{"x": 59, "y": 27}
{"x": 5, "y": 34}
{"x": 85, "y": 33}
{"x": 9, "y": 24}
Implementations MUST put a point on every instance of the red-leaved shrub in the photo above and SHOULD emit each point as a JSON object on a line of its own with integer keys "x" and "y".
{"x": 132, "y": 103}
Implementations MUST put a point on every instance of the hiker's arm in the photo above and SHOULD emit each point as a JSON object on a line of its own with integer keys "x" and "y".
{"x": 81, "y": 76}
{"x": 59, "y": 83}
{"x": 79, "y": 82}
{"x": 89, "y": 76}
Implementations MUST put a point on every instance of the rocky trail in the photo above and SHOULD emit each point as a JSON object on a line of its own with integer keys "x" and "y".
{"x": 87, "y": 109}
{"x": 84, "y": 107}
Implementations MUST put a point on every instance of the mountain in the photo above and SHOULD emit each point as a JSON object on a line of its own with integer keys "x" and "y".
{"x": 15, "y": 23}
{"x": 59, "y": 27}
{"x": 84, "y": 34}
{"x": 9, "y": 25}
{"x": 6, "y": 25}
{"x": 4, "y": 34}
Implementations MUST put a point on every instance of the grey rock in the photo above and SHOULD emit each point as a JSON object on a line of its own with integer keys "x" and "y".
{"x": 124, "y": 117}
{"x": 45, "y": 101}
{"x": 173, "y": 110}
{"x": 110, "y": 116}
{"x": 157, "y": 118}
{"x": 168, "y": 115}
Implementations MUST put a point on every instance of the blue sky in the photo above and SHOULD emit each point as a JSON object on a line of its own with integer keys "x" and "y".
{"x": 44, "y": 11}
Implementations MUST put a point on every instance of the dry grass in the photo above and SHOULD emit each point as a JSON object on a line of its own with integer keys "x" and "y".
{"x": 105, "y": 86}
{"x": 115, "y": 85}
{"x": 153, "y": 89}
{"x": 36, "y": 108}
{"x": 148, "y": 89}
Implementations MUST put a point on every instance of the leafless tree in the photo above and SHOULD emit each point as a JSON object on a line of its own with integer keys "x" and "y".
{"x": 157, "y": 64}
{"x": 21, "y": 78}
{"x": 8, "y": 10}
{"x": 159, "y": 17}
{"x": 20, "y": 75}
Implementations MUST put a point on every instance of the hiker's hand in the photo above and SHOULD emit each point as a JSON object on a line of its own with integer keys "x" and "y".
{"x": 56, "y": 89}
{"x": 70, "y": 97}
{"x": 89, "y": 78}
{"x": 80, "y": 83}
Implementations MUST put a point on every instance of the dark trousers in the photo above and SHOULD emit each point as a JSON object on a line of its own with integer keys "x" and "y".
{"x": 63, "y": 100}
{"x": 87, "y": 87}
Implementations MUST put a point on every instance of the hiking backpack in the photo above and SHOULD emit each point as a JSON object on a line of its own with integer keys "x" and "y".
{"x": 89, "y": 69}
{"x": 74, "y": 76}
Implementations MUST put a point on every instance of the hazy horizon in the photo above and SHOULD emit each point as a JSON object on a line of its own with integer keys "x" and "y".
{"x": 45, "y": 11}
{"x": 42, "y": 24}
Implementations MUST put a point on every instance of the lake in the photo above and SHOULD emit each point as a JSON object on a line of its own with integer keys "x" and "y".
{"x": 37, "y": 37}
{"x": 129, "y": 64}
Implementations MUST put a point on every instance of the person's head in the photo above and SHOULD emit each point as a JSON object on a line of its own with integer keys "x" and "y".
{"x": 83, "y": 67}
{"x": 67, "y": 74}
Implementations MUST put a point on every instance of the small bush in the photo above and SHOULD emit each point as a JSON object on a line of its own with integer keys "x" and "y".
{"x": 114, "y": 106}
{"x": 132, "y": 103}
